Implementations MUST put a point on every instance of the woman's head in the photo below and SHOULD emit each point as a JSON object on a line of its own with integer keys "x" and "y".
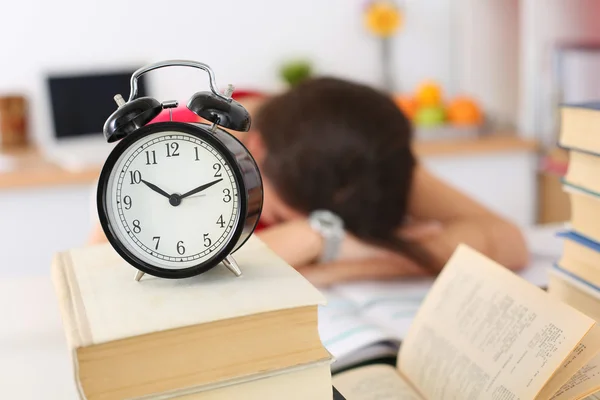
{"x": 337, "y": 145}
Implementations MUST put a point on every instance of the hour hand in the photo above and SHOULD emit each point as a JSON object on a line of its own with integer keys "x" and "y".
{"x": 156, "y": 188}
{"x": 200, "y": 188}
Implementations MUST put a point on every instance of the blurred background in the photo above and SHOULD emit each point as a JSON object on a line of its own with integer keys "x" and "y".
{"x": 481, "y": 81}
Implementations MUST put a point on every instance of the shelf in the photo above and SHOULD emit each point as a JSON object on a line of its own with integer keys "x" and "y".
{"x": 476, "y": 146}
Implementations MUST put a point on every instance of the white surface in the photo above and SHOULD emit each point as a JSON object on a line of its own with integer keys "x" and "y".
{"x": 543, "y": 23}
{"x": 35, "y": 223}
{"x": 33, "y": 360}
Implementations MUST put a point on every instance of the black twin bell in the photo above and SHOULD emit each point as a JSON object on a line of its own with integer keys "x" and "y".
{"x": 220, "y": 109}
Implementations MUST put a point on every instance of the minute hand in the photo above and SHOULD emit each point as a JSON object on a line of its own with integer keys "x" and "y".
{"x": 200, "y": 188}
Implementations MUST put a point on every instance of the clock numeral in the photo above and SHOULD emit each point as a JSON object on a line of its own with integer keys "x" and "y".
{"x": 150, "y": 159}
{"x": 136, "y": 177}
{"x": 207, "y": 241}
{"x": 127, "y": 202}
{"x": 217, "y": 168}
{"x": 172, "y": 149}
{"x": 227, "y": 197}
{"x": 180, "y": 248}
{"x": 197, "y": 157}
{"x": 136, "y": 226}
{"x": 157, "y": 238}
{"x": 220, "y": 221}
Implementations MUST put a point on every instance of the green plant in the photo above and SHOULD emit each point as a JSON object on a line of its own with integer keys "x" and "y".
{"x": 294, "y": 72}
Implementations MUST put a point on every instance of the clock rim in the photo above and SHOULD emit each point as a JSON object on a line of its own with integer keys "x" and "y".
{"x": 202, "y": 133}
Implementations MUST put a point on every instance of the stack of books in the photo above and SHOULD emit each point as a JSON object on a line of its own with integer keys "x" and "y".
{"x": 211, "y": 337}
{"x": 575, "y": 278}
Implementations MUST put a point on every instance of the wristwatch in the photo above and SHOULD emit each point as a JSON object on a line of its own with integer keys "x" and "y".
{"x": 331, "y": 228}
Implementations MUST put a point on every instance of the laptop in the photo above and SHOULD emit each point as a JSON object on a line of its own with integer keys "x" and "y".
{"x": 79, "y": 106}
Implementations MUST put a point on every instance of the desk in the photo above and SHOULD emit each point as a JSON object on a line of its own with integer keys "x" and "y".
{"x": 34, "y": 363}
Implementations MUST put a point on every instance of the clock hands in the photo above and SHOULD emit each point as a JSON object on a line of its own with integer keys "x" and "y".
{"x": 156, "y": 188}
{"x": 175, "y": 199}
{"x": 200, "y": 188}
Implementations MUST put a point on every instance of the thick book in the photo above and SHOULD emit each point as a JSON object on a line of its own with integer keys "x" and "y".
{"x": 571, "y": 288}
{"x": 585, "y": 210}
{"x": 582, "y": 170}
{"x": 206, "y": 337}
{"x": 579, "y": 127}
{"x": 580, "y": 256}
{"x": 485, "y": 333}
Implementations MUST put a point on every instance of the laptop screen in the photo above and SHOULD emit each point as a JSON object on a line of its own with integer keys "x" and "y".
{"x": 81, "y": 104}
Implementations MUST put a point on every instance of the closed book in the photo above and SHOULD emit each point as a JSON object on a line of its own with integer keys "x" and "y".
{"x": 581, "y": 257}
{"x": 585, "y": 211}
{"x": 583, "y": 170}
{"x": 579, "y": 126}
{"x": 575, "y": 291}
{"x": 200, "y": 337}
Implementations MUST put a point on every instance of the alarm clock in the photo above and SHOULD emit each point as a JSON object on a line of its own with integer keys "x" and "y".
{"x": 176, "y": 199}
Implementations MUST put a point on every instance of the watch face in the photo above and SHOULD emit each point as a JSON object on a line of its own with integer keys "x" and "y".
{"x": 172, "y": 200}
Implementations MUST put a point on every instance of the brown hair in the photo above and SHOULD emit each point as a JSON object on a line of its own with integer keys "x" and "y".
{"x": 345, "y": 147}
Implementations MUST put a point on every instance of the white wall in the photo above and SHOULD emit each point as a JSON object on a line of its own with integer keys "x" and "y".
{"x": 487, "y": 55}
{"x": 244, "y": 41}
{"x": 545, "y": 22}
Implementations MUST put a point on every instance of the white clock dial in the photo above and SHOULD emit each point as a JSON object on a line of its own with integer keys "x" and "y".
{"x": 173, "y": 200}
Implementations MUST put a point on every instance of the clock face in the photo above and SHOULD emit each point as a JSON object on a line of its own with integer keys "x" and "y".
{"x": 172, "y": 200}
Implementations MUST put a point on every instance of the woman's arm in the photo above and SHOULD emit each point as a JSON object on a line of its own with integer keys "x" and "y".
{"x": 463, "y": 220}
{"x": 294, "y": 241}
{"x": 300, "y": 246}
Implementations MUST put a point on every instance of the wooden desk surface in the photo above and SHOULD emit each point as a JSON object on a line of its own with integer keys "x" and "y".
{"x": 32, "y": 170}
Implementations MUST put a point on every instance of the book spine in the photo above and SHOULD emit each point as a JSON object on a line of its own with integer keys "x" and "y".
{"x": 74, "y": 320}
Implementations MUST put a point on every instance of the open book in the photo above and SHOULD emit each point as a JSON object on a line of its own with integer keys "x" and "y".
{"x": 485, "y": 333}
{"x": 366, "y": 321}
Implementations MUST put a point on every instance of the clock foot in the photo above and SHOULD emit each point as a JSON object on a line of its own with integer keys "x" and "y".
{"x": 230, "y": 263}
{"x": 138, "y": 275}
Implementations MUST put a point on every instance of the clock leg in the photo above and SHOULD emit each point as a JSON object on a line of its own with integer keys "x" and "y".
{"x": 138, "y": 275}
{"x": 230, "y": 263}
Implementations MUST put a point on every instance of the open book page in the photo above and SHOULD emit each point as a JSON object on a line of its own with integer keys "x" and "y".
{"x": 374, "y": 382}
{"x": 483, "y": 332}
{"x": 350, "y": 337}
{"x": 585, "y": 352}
{"x": 582, "y": 383}
{"x": 390, "y": 305}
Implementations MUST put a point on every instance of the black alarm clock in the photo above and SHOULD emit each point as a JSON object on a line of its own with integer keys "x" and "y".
{"x": 176, "y": 199}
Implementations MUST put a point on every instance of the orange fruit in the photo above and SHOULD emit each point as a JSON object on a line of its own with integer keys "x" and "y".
{"x": 464, "y": 111}
{"x": 429, "y": 94}
{"x": 407, "y": 105}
